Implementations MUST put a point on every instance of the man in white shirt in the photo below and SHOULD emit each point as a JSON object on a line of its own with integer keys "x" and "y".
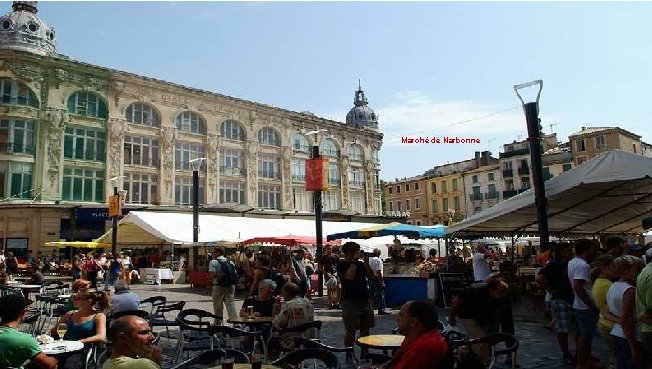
{"x": 377, "y": 284}
{"x": 584, "y": 308}
{"x": 481, "y": 268}
{"x": 295, "y": 311}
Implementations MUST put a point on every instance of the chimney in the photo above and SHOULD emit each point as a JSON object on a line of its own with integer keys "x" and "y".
{"x": 477, "y": 159}
{"x": 485, "y": 158}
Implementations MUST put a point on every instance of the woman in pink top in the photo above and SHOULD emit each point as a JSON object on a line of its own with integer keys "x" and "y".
{"x": 91, "y": 270}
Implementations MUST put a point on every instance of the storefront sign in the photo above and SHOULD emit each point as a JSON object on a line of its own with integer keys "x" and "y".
{"x": 451, "y": 284}
{"x": 95, "y": 214}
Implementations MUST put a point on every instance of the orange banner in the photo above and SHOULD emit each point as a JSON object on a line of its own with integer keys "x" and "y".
{"x": 317, "y": 174}
{"x": 115, "y": 206}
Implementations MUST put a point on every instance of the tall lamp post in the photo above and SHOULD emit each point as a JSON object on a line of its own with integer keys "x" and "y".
{"x": 531, "y": 109}
{"x": 196, "y": 166}
{"x": 318, "y": 215}
{"x": 115, "y": 210}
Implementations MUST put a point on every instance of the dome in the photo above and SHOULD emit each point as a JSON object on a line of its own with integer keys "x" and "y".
{"x": 361, "y": 115}
{"x": 23, "y": 30}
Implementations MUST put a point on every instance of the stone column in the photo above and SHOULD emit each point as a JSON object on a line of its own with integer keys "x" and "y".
{"x": 344, "y": 171}
{"x": 286, "y": 178}
{"x": 213, "y": 167}
{"x": 115, "y": 153}
{"x": 166, "y": 183}
{"x": 54, "y": 128}
{"x": 252, "y": 172}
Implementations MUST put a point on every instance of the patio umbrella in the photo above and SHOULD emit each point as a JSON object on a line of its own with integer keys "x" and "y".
{"x": 289, "y": 240}
{"x": 393, "y": 229}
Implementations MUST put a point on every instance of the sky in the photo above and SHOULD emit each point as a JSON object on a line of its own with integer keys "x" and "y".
{"x": 429, "y": 69}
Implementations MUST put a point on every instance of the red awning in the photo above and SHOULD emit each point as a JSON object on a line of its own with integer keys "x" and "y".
{"x": 289, "y": 240}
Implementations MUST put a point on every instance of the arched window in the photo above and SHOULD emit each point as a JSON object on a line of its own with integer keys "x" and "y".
{"x": 16, "y": 93}
{"x": 374, "y": 156}
{"x": 268, "y": 136}
{"x": 87, "y": 104}
{"x": 328, "y": 148}
{"x": 140, "y": 113}
{"x": 300, "y": 143}
{"x": 355, "y": 152}
{"x": 190, "y": 122}
{"x": 232, "y": 130}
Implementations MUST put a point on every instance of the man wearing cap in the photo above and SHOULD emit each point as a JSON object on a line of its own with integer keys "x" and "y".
{"x": 17, "y": 347}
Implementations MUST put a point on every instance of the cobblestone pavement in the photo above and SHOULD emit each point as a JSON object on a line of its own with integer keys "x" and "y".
{"x": 538, "y": 346}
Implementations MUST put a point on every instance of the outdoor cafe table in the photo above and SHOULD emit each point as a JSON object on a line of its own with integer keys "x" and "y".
{"x": 383, "y": 342}
{"x": 27, "y": 288}
{"x": 61, "y": 347}
{"x": 254, "y": 322}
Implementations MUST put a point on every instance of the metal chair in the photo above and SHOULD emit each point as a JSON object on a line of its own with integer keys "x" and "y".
{"x": 308, "y": 343}
{"x": 226, "y": 335}
{"x": 196, "y": 333}
{"x": 154, "y": 301}
{"x": 300, "y": 329}
{"x": 159, "y": 318}
{"x": 511, "y": 345}
{"x": 209, "y": 357}
{"x": 297, "y": 357}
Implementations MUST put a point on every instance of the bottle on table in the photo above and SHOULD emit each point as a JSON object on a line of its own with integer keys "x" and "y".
{"x": 256, "y": 357}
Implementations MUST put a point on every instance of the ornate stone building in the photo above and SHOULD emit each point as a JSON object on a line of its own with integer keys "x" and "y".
{"x": 68, "y": 128}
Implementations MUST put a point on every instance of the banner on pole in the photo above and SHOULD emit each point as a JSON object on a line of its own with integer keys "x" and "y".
{"x": 115, "y": 206}
{"x": 317, "y": 174}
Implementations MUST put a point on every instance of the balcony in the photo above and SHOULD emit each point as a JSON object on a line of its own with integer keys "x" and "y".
{"x": 491, "y": 195}
{"x": 507, "y": 173}
{"x": 334, "y": 181}
{"x": 524, "y": 171}
{"x": 509, "y": 193}
{"x": 12, "y": 148}
{"x": 298, "y": 178}
{"x": 358, "y": 184}
{"x": 267, "y": 174}
{"x": 232, "y": 171}
{"x": 475, "y": 197}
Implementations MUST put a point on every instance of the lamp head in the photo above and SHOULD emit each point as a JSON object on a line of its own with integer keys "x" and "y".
{"x": 196, "y": 163}
{"x": 522, "y": 86}
{"x": 316, "y": 132}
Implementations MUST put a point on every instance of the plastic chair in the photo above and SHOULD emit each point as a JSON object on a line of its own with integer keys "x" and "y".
{"x": 155, "y": 301}
{"x": 159, "y": 319}
{"x": 297, "y": 357}
{"x": 511, "y": 345}
{"x": 209, "y": 357}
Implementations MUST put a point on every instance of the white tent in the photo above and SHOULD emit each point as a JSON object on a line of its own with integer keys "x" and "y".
{"x": 610, "y": 193}
{"x": 158, "y": 228}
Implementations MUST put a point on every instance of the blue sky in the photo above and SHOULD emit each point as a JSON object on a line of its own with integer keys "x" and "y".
{"x": 424, "y": 66}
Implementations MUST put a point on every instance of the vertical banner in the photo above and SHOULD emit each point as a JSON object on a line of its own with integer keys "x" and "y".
{"x": 115, "y": 206}
{"x": 317, "y": 174}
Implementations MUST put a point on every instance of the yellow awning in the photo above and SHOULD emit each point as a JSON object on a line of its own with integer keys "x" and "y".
{"x": 80, "y": 244}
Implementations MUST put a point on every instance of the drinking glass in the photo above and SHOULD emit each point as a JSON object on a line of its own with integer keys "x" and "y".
{"x": 61, "y": 330}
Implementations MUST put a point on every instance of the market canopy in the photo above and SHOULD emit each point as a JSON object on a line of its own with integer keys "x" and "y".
{"x": 80, "y": 244}
{"x": 288, "y": 240}
{"x": 143, "y": 228}
{"x": 392, "y": 229}
{"x": 610, "y": 193}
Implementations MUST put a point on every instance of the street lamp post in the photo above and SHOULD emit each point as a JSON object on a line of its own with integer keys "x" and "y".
{"x": 319, "y": 251}
{"x": 196, "y": 166}
{"x": 531, "y": 110}
{"x": 115, "y": 210}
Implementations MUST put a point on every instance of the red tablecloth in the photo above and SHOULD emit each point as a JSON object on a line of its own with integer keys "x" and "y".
{"x": 200, "y": 279}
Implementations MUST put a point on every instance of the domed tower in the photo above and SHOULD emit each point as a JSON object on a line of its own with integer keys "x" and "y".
{"x": 361, "y": 115}
{"x": 23, "y": 30}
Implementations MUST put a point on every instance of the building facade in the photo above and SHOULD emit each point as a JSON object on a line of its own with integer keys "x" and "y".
{"x": 483, "y": 188}
{"x": 407, "y": 198}
{"x": 592, "y": 141}
{"x": 515, "y": 164}
{"x": 70, "y": 132}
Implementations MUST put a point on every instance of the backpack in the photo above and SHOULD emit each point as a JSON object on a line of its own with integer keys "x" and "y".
{"x": 227, "y": 276}
{"x": 278, "y": 278}
{"x": 115, "y": 266}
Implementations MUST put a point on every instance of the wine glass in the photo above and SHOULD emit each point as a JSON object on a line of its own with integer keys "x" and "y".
{"x": 61, "y": 330}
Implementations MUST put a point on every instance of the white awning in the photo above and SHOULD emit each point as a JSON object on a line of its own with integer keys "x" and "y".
{"x": 610, "y": 193}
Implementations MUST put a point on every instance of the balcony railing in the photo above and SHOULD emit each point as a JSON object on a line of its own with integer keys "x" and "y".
{"x": 301, "y": 148}
{"x": 523, "y": 171}
{"x": 356, "y": 183}
{"x": 509, "y": 193}
{"x": 508, "y": 173}
{"x": 233, "y": 171}
{"x": 476, "y": 196}
{"x": 509, "y": 154}
{"x": 491, "y": 195}
{"x": 12, "y": 148}
{"x": 334, "y": 181}
{"x": 143, "y": 162}
{"x": 269, "y": 174}
{"x": 298, "y": 178}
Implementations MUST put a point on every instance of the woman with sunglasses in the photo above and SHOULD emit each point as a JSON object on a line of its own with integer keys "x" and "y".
{"x": 86, "y": 324}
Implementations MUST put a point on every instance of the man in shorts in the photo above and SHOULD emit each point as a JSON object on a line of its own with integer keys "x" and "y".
{"x": 357, "y": 312}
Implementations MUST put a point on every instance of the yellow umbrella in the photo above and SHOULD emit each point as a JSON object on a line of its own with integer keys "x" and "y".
{"x": 81, "y": 244}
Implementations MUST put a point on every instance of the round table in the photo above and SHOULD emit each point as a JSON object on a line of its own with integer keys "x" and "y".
{"x": 382, "y": 341}
{"x": 259, "y": 320}
{"x": 248, "y": 366}
{"x": 61, "y": 347}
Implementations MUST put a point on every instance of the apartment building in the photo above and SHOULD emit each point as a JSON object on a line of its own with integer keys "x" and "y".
{"x": 592, "y": 141}
{"x": 407, "y": 198}
{"x": 483, "y": 188}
